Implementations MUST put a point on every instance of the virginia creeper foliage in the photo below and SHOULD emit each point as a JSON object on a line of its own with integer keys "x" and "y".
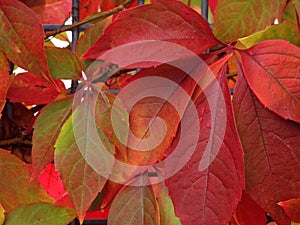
{"x": 169, "y": 120}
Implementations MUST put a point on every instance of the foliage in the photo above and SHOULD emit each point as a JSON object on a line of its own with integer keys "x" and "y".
{"x": 168, "y": 123}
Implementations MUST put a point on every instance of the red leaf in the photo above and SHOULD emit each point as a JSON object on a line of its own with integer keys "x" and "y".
{"x": 248, "y": 212}
{"x": 4, "y": 70}
{"x": 52, "y": 183}
{"x": 273, "y": 73}
{"x": 207, "y": 189}
{"x": 89, "y": 7}
{"x": 163, "y": 20}
{"x": 212, "y": 6}
{"x": 51, "y": 11}
{"x": 292, "y": 209}
{"x": 22, "y": 38}
{"x": 272, "y": 152}
{"x": 32, "y": 90}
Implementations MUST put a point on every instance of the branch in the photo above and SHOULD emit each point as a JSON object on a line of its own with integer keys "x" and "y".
{"x": 14, "y": 141}
{"x": 99, "y": 16}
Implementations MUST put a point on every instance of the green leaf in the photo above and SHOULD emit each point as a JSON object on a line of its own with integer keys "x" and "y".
{"x": 78, "y": 138}
{"x": 22, "y": 38}
{"x": 134, "y": 205}
{"x": 40, "y": 214}
{"x": 15, "y": 185}
{"x": 63, "y": 64}
{"x": 2, "y": 215}
{"x": 89, "y": 38}
{"x": 240, "y": 18}
{"x": 286, "y": 31}
{"x": 46, "y": 130}
{"x": 166, "y": 208}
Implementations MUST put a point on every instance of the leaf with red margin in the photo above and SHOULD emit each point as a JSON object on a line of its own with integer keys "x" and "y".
{"x": 46, "y": 130}
{"x": 33, "y": 90}
{"x": 4, "y": 70}
{"x": 273, "y": 73}
{"x": 240, "y": 18}
{"x": 248, "y": 212}
{"x": 52, "y": 183}
{"x": 163, "y": 20}
{"x": 63, "y": 64}
{"x": 15, "y": 185}
{"x": 271, "y": 150}
{"x": 212, "y": 6}
{"x": 51, "y": 11}
{"x": 292, "y": 209}
{"x": 208, "y": 193}
{"x": 135, "y": 205}
{"x": 77, "y": 147}
{"x": 24, "y": 48}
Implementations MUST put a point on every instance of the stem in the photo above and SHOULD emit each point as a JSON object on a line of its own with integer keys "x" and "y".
{"x": 99, "y": 16}
{"x": 14, "y": 141}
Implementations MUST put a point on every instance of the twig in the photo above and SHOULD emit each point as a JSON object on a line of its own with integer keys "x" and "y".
{"x": 14, "y": 141}
{"x": 99, "y": 16}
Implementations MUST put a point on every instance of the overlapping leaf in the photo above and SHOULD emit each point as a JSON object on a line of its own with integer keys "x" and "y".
{"x": 19, "y": 191}
{"x": 292, "y": 209}
{"x": 166, "y": 208}
{"x": 286, "y": 31}
{"x": 272, "y": 71}
{"x": 51, "y": 11}
{"x": 3, "y": 80}
{"x": 33, "y": 90}
{"x": 63, "y": 64}
{"x": 207, "y": 189}
{"x": 271, "y": 146}
{"x": 163, "y": 20}
{"x": 40, "y": 214}
{"x": 78, "y": 155}
{"x": 88, "y": 39}
{"x": 240, "y": 18}
{"x": 24, "y": 48}
{"x": 46, "y": 130}
{"x": 134, "y": 205}
{"x": 248, "y": 212}
{"x": 88, "y": 7}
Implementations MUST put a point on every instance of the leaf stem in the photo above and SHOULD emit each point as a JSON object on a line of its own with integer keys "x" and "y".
{"x": 99, "y": 16}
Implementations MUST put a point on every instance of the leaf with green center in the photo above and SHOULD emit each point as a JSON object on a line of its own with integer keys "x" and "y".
{"x": 40, "y": 214}
{"x": 273, "y": 73}
{"x": 292, "y": 209}
{"x": 4, "y": 70}
{"x": 239, "y": 18}
{"x": 22, "y": 38}
{"x": 286, "y": 31}
{"x": 89, "y": 38}
{"x": 134, "y": 205}
{"x": 78, "y": 154}
{"x": 15, "y": 185}
{"x": 271, "y": 147}
{"x": 63, "y": 64}
{"x": 46, "y": 130}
